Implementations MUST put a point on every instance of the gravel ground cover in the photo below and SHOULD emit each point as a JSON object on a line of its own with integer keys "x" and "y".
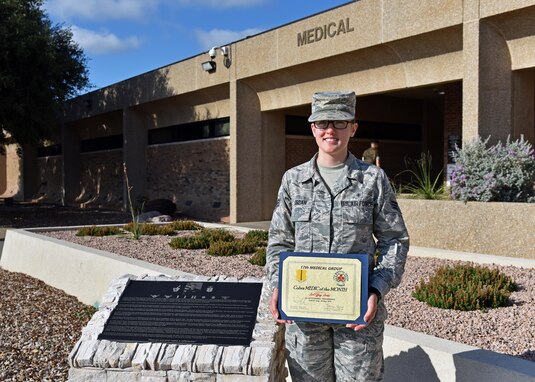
{"x": 40, "y": 324}
{"x": 506, "y": 330}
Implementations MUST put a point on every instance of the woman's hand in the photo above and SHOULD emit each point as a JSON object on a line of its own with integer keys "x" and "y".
{"x": 274, "y": 307}
{"x": 370, "y": 313}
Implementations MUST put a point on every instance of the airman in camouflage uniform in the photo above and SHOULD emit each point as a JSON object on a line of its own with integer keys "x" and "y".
{"x": 311, "y": 216}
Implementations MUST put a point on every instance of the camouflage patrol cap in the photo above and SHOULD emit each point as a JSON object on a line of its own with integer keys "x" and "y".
{"x": 333, "y": 106}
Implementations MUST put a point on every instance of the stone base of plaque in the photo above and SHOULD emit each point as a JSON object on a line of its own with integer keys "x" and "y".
{"x": 97, "y": 360}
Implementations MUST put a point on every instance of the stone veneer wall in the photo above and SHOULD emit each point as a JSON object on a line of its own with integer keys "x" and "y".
{"x": 101, "y": 178}
{"x": 50, "y": 179}
{"x": 195, "y": 175}
{"x": 107, "y": 361}
{"x": 504, "y": 229}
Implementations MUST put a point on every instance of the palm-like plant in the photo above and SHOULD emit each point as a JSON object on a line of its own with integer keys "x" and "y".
{"x": 422, "y": 184}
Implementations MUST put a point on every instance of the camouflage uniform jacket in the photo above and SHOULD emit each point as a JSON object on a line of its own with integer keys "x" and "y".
{"x": 309, "y": 217}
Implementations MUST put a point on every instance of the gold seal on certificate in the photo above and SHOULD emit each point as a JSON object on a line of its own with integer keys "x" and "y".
{"x": 323, "y": 287}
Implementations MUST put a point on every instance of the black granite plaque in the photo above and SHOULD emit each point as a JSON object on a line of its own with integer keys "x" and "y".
{"x": 183, "y": 312}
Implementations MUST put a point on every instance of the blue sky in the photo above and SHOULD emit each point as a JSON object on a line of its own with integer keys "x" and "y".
{"x": 124, "y": 38}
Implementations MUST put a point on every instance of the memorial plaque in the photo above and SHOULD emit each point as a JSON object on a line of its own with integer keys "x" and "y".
{"x": 323, "y": 287}
{"x": 181, "y": 312}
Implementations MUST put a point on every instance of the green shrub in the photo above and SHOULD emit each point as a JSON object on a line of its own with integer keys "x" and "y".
{"x": 247, "y": 245}
{"x": 151, "y": 229}
{"x": 215, "y": 234}
{"x": 189, "y": 242}
{"x": 259, "y": 257}
{"x": 185, "y": 225}
{"x": 203, "y": 239}
{"x": 465, "y": 287}
{"x": 223, "y": 248}
{"x": 229, "y": 248}
{"x": 219, "y": 242}
{"x": 98, "y": 231}
{"x": 258, "y": 236}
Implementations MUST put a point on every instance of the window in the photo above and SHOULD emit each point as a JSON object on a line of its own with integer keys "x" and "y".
{"x": 296, "y": 125}
{"x": 102, "y": 143}
{"x": 389, "y": 131}
{"x": 190, "y": 131}
{"x": 48, "y": 151}
{"x": 222, "y": 129}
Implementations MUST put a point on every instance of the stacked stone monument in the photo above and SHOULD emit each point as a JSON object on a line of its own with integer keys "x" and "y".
{"x": 97, "y": 360}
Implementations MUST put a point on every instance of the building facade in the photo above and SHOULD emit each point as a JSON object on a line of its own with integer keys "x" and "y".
{"x": 428, "y": 75}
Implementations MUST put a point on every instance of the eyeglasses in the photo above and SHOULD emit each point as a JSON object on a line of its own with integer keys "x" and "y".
{"x": 324, "y": 125}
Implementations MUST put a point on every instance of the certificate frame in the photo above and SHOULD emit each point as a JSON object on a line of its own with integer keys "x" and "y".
{"x": 336, "y": 291}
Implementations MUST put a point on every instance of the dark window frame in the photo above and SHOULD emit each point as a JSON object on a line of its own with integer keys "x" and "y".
{"x": 188, "y": 132}
{"x": 109, "y": 142}
{"x": 49, "y": 151}
{"x": 381, "y": 131}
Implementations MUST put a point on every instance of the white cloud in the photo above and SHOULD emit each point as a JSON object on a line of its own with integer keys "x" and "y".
{"x": 223, "y": 3}
{"x": 218, "y": 37}
{"x": 101, "y": 9}
{"x": 103, "y": 42}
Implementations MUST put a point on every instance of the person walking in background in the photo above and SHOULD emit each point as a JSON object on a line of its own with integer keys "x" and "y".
{"x": 335, "y": 203}
{"x": 371, "y": 154}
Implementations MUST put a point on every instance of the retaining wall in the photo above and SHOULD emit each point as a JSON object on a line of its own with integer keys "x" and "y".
{"x": 79, "y": 271}
{"x": 504, "y": 229}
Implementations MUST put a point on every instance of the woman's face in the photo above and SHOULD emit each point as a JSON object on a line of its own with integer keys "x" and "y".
{"x": 333, "y": 142}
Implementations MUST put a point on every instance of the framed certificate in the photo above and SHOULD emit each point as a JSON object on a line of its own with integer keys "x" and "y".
{"x": 323, "y": 287}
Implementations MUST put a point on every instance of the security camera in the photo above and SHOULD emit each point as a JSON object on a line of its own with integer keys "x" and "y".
{"x": 225, "y": 51}
{"x": 212, "y": 53}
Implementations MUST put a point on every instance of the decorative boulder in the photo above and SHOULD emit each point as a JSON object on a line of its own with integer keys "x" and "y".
{"x": 160, "y": 219}
{"x": 147, "y": 216}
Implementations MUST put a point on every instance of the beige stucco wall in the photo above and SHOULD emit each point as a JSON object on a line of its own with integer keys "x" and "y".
{"x": 98, "y": 126}
{"x": 187, "y": 108}
{"x": 12, "y": 170}
{"x": 504, "y": 229}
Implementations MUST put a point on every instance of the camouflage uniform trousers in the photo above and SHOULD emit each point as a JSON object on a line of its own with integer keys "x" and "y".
{"x": 318, "y": 352}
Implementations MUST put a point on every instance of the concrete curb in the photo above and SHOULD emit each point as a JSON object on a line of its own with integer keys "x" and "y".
{"x": 80, "y": 271}
{"x": 470, "y": 256}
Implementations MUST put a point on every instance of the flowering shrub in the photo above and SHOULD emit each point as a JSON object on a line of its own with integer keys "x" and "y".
{"x": 504, "y": 173}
